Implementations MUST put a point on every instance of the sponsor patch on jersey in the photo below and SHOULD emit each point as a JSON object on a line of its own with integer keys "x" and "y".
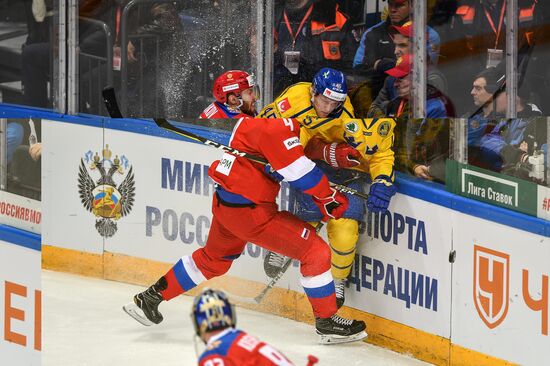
{"x": 211, "y": 110}
{"x": 384, "y": 128}
{"x": 305, "y": 234}
{"x": 226, "y": 163}
{"x": 230, "y": 87}
{"x": 283, "y": 105}
{"x": 351, "y": 127}
{"x": 291, "y": 142}
{"x": 331, "y": 94}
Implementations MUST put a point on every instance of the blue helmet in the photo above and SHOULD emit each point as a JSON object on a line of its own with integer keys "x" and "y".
{"x": 212, "y": 311}
{"x": 330, "y": 83}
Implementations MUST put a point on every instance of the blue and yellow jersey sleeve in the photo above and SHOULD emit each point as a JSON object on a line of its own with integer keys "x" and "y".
{"x": 372, "y": 137}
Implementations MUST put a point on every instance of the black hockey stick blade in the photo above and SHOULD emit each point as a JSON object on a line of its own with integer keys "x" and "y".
{"x": 109, "y": 97}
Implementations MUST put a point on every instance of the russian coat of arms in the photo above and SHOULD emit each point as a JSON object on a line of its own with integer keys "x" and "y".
{"x": 107, "y": 201}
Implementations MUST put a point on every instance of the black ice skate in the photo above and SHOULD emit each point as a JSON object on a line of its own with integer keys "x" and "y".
{"x": 144, "y": 308}
{"x": 339, "y": 287}
{"x": 274, "y": 263}
{"x": 336, "y": 329}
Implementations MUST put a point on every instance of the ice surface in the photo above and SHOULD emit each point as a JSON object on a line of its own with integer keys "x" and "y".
{"x": 83, "y": 324}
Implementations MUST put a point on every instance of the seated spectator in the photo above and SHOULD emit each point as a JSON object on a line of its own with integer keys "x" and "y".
{"x": 14, "y": 137}
{"x": 401, "y": 36}
{"x": 485, "y": 84}
{"x": 24, "y": 174}
{"x": 376, "y": 52}
{"x": 437, "y": 105}
{"x": 505, "y": 149}
{"x": 422, "y": 145}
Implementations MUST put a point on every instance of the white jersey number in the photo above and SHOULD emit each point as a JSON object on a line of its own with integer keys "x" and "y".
{"x": 274, "y": 356}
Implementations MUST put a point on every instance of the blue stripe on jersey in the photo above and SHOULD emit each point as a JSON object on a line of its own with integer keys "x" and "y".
{"x": 226, "y": 110}
{"x": 182, "y": 276}
{"x": 321, "y": 123}
{"x": 319, "y": 292}
{"x": 309, "y": 180}
{"x": 302, "y": 111}
{"x": 222, "y": 347}
{"x": 344, "y": 110}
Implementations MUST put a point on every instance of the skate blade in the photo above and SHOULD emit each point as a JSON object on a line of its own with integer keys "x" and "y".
{"x": 135, "y": 312}
{"x": 336, "y": 339}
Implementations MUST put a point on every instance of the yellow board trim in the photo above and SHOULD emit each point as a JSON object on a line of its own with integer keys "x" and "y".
{"x": 289, "y": 304}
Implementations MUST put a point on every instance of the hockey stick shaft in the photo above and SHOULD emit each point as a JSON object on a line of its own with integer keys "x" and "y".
{"x": 112, "y": 107}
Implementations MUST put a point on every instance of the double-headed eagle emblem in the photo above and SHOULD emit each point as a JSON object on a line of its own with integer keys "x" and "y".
{"x": 103, "y": 198}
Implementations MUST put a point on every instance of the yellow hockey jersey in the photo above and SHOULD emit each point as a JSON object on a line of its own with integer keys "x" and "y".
{"x": 372, "y": 137}
{"x": 295, "y": 102}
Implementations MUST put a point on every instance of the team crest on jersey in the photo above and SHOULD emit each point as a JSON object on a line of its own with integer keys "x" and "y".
{"x": 283, "y": 105}
{"x": 351, "y": 127}
{"x": 384, "y": 128}
{"x": 107, "y": 201}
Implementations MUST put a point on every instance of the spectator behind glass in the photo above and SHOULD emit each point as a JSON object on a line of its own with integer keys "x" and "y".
{"x": 14, "y": 138}
{"x": 504, "y": 149}
{"x": 401, "y": 36}
{"x": 310, "y": 35}
{"x": 422, "y": 145}
{"x": 376, "y": 52}
{"x": 37, "y": 57}
{"x": 473, "y": 34}
{"x": 24, "y": 174}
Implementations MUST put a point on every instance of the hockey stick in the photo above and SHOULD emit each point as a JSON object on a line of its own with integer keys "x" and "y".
{"x": 163, "y": 123}
{"x": 112, "y": 107}
{"x": 258, "y": 298}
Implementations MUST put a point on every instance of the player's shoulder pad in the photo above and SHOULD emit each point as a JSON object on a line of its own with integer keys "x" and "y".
{"x": 294, "y": 99}
{"x": 222, "y": 345}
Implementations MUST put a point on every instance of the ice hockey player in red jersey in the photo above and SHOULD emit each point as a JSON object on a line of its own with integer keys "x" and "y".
{"x": 214, "y": 319}
{"x": 244, "y": 210}
{"x": 236, "y": 94}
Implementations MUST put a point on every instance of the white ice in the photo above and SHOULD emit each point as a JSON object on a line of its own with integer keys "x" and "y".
{"x": 83, "y": 324}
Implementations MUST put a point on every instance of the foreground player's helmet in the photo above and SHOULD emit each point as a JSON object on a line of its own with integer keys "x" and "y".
{"x": 212, "y": 311}
{"x": 233, "y": 81}
{"x": 330, "y": 83}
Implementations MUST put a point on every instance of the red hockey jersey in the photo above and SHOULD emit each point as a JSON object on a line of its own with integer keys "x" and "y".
{"x": 277, "y": 140}
{"x": 233, "y": 347}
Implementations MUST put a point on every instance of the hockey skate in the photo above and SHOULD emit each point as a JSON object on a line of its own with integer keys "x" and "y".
{"x": 336, "y": 330}
{"x": 144, "y": 308}
{"x": 339, "y": 287}
{"x": 274, "y": 263}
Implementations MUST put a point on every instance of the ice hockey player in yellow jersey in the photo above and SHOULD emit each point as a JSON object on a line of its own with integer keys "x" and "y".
{"x": 345, "y": 149}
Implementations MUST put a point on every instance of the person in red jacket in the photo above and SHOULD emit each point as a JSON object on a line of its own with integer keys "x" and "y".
{"x": 236, "y": 94}
{"x": 244, "y": 210}
{"x": 214, "y": 320}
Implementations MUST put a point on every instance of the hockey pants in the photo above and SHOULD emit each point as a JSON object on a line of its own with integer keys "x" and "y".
{"x": 279, "y": 231}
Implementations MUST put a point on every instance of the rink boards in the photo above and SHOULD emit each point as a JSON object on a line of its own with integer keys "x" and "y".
{"x": 403, "y": 283}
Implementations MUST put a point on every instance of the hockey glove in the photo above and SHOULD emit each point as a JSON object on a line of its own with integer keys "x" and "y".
{"x": 337, "y": 155}
{"x": 273, "y": 173}
{"x": 332, "y": 206}
{"x": 381, "y": 192}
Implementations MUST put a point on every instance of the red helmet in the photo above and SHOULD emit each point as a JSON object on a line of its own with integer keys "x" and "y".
{"x": 232, "y": 81}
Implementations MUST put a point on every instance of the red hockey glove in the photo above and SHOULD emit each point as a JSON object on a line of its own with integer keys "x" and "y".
{"x": 332, "y": 206}
{"x": 338, "y": 155}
